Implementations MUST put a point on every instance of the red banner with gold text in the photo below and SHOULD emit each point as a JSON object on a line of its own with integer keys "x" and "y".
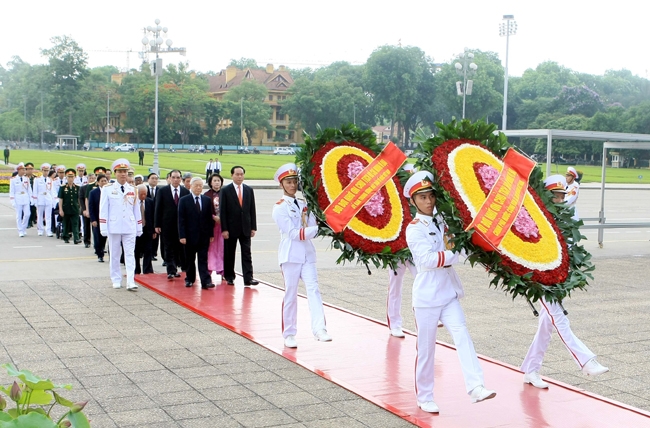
{"x": 504, "y": 201}
{"x": 363, "y": 187}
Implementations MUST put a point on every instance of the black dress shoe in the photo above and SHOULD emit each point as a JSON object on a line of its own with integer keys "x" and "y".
{"x": 252, "y": 282}
{"x": 170, "y": 276}
{"x": 155, "y": 259}
{"x": 210, "y": 285}
{"x": 229, "y": 282}
{"x": 188, "y": 284}
{"x": 77, "y": 242}
{"x": 67, "y": 241}
{"x": 87, "y": 245}
{"x": 177, "y": 275}
{"x": 100, "y": 259}
{"x": 164, "y": 263}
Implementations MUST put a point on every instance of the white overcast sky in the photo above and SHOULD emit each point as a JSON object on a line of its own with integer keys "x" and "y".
{"x": 589, "y": 37}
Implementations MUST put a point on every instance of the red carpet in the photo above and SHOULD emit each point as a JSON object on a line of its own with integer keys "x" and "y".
{"x": 364, "y": 359}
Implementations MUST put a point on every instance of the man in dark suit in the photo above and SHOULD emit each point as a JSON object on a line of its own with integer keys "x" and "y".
{"x": 93, "y": 211}
{"x": 143, "y": 242}
{"x": 238, "y": 222}
{"x": 83, "y": 192}
{"x": 196, "y": 232}
{"x": 152, "y": 191}
{"x": 166, "y": 223}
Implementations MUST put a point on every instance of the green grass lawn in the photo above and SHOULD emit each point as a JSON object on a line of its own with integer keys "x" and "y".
{"x": 258, "y": 167}
{"x": 593, "y": 174}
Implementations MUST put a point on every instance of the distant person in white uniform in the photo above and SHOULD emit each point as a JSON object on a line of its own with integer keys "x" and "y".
{"x": 551, "y": 317}
{"x": 572, "y": 190}
{"x": 436, "y": 291}
{"x": 395, "y": 286}
{"x": 20, "y": 195}
{"x": 44, "y": 198}
{"x": 120, "y": 220}
{"x": 297, "y": 257}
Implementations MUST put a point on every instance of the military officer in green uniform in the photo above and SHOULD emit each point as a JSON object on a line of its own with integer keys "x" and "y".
{"x": 69, "y": 207}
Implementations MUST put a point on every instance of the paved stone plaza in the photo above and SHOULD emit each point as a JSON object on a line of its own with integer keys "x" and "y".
{"x": 143, "y": 360}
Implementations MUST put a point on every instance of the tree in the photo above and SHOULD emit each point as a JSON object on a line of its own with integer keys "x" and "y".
{"x": 257, "y": 114}
{"x": 486, "y": 100}
{"x": 67, "y": 69}
{"x": 214, "y": 113}
{"x": 327, "y": 103}
{"x": 393, "y": 76}
{"x": 244, "y": 63}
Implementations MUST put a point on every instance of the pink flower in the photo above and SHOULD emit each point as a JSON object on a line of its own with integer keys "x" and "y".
{"x": 375, "y": 205}
{"x": 524, "y": 224}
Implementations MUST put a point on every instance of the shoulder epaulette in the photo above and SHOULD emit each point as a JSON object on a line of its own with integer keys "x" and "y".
{"x": 415, "y": 221}
{"x": 279, "y": 202}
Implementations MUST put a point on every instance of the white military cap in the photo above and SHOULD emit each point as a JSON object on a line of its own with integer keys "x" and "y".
{"x": 45, "y": 165}
{"x": 572, "y": 171}
{"x": 410, "y": 168}
{"x": 81, "y": 166}
{"x": 20, "y": 165}
{"x": 285, "y": 171}
{"x": 120, "y": 164}
{"x": 60, "y": 168}
{"x": 141, "y": 177}
{"x": 421, "y": 181}
{"x": 555, "y": 183}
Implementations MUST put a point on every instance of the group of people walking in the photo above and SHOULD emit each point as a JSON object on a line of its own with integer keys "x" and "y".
{"x": 200, "y": 231}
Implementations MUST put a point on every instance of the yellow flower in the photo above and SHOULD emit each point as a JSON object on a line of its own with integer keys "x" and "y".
{"x": 333, "y": 188}
{"x": 546, "y": 254}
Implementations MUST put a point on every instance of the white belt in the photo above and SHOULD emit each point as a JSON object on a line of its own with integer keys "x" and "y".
{"x": 430, "y": 269}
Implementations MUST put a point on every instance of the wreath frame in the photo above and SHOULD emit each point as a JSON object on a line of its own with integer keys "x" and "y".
{"x": 309, "y": 186}
{"x": 580, "y": 266}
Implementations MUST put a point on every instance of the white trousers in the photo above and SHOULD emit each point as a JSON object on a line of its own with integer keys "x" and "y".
{"x": 128, "y": 242}
{"x": 44, "y": 216}
{"x": 292, "y": 273}
{"x": 426, "y": 320}
{"x": 394, "y": 299}
{"x": 551, "y": 317}
{"x": 22, "y": 217}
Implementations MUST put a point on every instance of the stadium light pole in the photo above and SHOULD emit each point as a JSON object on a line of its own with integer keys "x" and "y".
{"x": 507, "y": 28}
{"x": 158, "y": 35}
{"x": 467, "y": 67}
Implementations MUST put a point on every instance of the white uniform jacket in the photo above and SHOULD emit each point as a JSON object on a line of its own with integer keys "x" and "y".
{"x": 436, "y": 283}
{"x": 20, "y": 191}
{"x": 80, "y": 181}
{"x": 571, "y": 197}
{"x": 57, "y": 183}
{"x": 119, "y": 213}
{"x": 297, "y": 228}
{"x": 43, "y": 191}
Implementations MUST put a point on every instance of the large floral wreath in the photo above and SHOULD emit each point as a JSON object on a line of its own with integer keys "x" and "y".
{"x": 540, "y": 255}
{"x": 328, "y": 163}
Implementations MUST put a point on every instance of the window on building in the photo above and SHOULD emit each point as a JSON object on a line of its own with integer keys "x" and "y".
{"x": 270, "y": 97}
{"x": 292, "y": 134}
{"x": 269, "y": 135}
{"x": 279, "y": 115}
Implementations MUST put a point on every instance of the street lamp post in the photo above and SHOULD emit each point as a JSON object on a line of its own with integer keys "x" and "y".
{"x": 466, "y": 68}
{"x": 158, "y": 34}
{"x": 42, "y": 125}
{"x": 507, "y": 28}
{"x": 108, "y": 116}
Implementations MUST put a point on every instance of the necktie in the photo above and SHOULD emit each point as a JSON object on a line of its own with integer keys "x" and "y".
{"x": 198, "y": 205}
{"x": 241, "y": 202}
{"x": 144, "y": 223}
{"x": 176, "y": 196}
{"x": 295, "y": 201}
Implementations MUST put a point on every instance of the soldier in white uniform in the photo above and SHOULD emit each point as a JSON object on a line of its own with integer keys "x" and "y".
{"x": 395, "y": 285}
{"x": 43, "y": 192}
{"x": 81, "y": 178}
{"x": 297, "y": 257}
{"x": 121, "y": 222}
{"x": 551, "y": 316}
{"x": 20, "y": 195}
{"x": 572, "y": 190}
{"x": 436, "y": 291}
